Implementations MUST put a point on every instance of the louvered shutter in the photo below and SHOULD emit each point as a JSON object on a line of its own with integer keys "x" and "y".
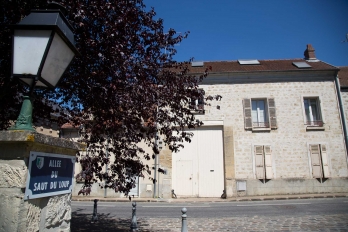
{"x": 316, "y": 160}
{"x": 268, "y": 162}
{"x": 272, "y": 113}
{"x": 248, "y": 124}
{"x": 259, "y": 162}
{"x": 325, "y": 162}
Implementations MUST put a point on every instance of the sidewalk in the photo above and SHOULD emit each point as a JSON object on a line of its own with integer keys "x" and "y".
{"x": 212, "y": 199}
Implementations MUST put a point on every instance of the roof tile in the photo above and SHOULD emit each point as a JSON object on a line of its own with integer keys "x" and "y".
{"x": 343, "y": 76}
{"x": 265, "y": 65}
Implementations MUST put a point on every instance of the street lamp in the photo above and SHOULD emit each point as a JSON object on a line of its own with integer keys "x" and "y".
{"x": 43, "y": 48}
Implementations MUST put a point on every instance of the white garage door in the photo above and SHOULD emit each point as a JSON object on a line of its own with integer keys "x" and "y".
{"x": 198, "y": 168}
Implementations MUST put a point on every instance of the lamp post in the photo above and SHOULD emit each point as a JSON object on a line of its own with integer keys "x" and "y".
{"x": 43, "y": 48}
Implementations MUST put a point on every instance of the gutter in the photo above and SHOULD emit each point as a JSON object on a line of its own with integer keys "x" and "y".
{"x": 343, "y": 118}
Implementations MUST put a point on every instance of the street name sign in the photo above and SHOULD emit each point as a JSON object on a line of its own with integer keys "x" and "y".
{"x": 49, "y": 175}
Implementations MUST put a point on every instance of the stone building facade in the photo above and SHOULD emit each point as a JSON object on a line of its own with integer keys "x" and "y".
{"x": 277, "y": 130}
{"x": 280, "y": 121}
{"x": 342, "y": 82}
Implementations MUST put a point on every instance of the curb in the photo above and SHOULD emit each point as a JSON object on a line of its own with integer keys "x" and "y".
{"x": 260, "y": 198}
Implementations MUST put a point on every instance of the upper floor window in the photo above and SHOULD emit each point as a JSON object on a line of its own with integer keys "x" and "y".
{"x": 197, "y": 104}
{"x": 312, "y": 111}
{"x": 259, "y": 113}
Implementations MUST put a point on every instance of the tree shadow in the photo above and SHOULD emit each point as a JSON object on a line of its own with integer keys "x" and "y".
{"x": 81, "y": 222}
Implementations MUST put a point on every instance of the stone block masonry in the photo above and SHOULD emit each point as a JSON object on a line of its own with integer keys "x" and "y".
{"x": 42, "y": 214}
{"x": 289, "y": 142}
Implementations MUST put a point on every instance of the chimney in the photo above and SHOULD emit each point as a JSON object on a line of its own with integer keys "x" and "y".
{"x": 309, "y": 53}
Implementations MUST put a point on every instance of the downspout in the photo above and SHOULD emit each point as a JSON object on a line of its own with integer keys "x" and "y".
{"x": 343, "y": 118}
{"x": 106, "y": 168}
{"x": 156, "y": 163}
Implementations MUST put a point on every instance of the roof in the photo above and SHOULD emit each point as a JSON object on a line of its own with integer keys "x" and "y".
{"x": 343, "y": 76}
{"x": 265, "y": 65}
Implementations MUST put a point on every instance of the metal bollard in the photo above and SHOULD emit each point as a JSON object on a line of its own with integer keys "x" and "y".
{"x": 134, "y": 225}
{"x": 184, "y": 221}
{"x": 95, "y": 215}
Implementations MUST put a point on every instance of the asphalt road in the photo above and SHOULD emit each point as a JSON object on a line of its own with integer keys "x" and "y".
{"x": 219, "y": 209}
{"x": 328, "y": 214}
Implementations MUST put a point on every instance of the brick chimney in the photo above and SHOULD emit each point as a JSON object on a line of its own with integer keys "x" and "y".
{"x": 309, "y": 53}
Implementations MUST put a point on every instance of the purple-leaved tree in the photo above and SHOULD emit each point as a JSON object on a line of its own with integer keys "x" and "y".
{"x": 123, "y": 89}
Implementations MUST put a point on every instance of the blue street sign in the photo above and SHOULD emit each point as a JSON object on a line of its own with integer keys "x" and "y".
{"x": 49, "y": 175}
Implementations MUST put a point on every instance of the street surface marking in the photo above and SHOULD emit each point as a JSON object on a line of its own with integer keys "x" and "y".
{"x": 93, "y": 205}
{"x": 175, "y": 206}
{"x": 274, "y": 204}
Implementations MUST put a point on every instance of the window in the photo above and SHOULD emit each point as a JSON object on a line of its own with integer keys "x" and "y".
{"x": 319, "y": 161}
{"x": 197, "y": 104}
{"x": 263, "y": 162}
{"x": 259, "y": 113}
{"x": 312, "y": 112}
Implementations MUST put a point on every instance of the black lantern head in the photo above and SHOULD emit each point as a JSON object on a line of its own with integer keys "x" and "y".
{"x": 43, "y": 48}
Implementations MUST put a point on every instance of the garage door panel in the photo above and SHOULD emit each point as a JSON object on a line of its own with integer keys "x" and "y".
{"x": 210, "y": 162}
{"x": 184, "y": 175}
{"x": 206, "y": 153}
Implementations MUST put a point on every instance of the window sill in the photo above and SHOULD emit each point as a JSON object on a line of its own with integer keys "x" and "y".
{"x": 261, "y": 129}
{"x": 315, "y": 128}
{"x": 198, "y": 111}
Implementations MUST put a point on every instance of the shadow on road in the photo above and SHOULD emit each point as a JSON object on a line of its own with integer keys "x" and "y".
{"x": 83, "y": 222}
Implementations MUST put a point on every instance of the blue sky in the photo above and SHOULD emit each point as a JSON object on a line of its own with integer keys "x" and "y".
{"x": 257, "y": 29}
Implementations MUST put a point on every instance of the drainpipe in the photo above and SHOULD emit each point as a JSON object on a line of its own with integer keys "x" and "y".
{"x": 106, "y": 169}
{"x": 344, "y": 125}
{"x": 156, "y": 163}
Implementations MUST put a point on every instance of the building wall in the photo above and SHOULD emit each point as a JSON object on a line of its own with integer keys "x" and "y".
{"x": 344, "y": 96}
{"x": 291, "y": 162}
{"x": 289, "y": 142}
{"x": 145, "y": 185}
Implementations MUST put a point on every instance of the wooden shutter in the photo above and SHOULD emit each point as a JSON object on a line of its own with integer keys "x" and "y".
{"x": 325, "y": 162}
{"x": 248, "y": 124}
{"x": 268, "y": 162}
{"x": 272, "y": 113}
{"x": 316, "y": 160}
{"x": 259, "y": 162}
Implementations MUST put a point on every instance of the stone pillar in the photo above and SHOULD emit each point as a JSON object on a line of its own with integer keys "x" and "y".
{"x": 229, "y": 161}
{"x": 51, "y": 213}
{"x": 165, "y": 180}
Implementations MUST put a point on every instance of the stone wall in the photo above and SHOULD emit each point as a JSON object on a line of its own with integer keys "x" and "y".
{"x": 41, "y": 214}
{"x": 344, "y": 96}
{"x": 289, "y": 142}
